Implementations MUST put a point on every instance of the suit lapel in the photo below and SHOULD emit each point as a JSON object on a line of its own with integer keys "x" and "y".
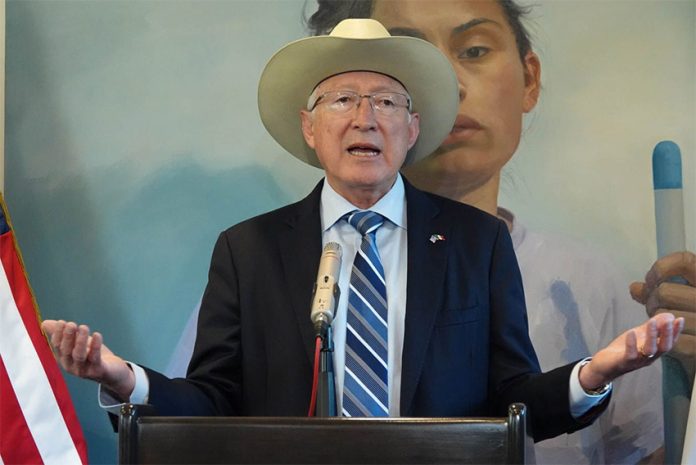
{"x": 424, "y": 288}
{"x": 300, "y": 249}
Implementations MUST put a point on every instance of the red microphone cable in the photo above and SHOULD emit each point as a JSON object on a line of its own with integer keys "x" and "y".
{"x": 315, "y": 381}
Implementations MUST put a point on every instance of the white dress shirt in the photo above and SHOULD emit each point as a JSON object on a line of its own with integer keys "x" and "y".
{"x": 391, "y": 244}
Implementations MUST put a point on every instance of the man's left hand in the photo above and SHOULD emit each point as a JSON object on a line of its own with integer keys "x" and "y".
{"x": 636, "y": 348}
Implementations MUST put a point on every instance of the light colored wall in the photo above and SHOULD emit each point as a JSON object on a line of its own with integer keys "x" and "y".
{"x": 133, "y": 138}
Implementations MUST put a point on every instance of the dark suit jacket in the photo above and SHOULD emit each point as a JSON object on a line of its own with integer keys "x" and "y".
{"x": 466, "y": 346}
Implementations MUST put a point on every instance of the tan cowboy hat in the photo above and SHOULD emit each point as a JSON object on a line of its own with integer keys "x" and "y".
{"x": 358, "y": 45}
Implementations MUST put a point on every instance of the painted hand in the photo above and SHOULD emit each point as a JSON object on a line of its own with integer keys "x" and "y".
{"x": 659, "y": 295}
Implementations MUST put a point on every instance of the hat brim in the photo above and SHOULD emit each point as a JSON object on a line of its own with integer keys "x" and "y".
{"x": 295, "y": 70}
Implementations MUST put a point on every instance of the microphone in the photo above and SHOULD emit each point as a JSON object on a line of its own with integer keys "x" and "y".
{"x": 326, "y": 291}
{"x": 669, "y": 202}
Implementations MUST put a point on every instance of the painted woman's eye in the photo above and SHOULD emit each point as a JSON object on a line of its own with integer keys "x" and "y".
{"x": 474, "y": 52}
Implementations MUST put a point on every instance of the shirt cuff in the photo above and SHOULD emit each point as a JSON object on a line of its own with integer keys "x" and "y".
{"x": 141, "y": 392}
{"x": 580, "y": 400}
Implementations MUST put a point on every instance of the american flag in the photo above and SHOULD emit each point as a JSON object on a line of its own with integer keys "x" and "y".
{"x": 38, "y": 423}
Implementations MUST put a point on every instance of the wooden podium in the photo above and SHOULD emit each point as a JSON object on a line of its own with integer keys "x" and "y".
{"x": 144, "y": 438}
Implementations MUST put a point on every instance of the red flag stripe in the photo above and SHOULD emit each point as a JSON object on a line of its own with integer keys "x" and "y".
{"x": 16, "y": 443}
{"x": 26, "y": 332}
{"x": 25, "y": 303}
{"x": 31, "y": 386}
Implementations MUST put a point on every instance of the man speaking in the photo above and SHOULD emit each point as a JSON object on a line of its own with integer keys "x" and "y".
{"x": 431, "y": 318}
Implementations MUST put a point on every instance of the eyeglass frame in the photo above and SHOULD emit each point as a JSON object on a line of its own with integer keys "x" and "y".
{"x": 370, "y": 98}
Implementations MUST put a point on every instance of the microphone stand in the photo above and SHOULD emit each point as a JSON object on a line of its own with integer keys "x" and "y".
{"x": 326, "y": 384}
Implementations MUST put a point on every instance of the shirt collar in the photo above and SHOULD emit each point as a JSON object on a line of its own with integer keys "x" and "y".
{"x": 391, "y": 205}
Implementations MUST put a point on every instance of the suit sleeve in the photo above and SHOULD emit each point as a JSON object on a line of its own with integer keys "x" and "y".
{"x": 514, "y": 369}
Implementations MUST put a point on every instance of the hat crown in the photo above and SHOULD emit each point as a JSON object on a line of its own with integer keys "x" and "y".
{"x": 360, "y": 28}
{"x": 358, "y": 45}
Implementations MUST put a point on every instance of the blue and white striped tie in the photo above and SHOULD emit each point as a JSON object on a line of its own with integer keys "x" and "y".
{"x": 365, "y": 382}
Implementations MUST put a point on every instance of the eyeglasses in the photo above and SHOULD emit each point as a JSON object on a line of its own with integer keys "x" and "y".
{"x": 343, "y": 101}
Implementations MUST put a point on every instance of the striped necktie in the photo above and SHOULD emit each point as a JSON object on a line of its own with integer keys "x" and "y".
{"x": 365, "y": 382}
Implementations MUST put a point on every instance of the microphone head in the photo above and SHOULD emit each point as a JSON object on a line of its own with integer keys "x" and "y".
{"x": 334, "y": 247}
{"x": 667, "y": 170}
{"x": 326, "y": 289}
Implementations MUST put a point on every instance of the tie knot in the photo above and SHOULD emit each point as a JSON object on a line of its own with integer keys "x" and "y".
{"x": 365, "y": 221}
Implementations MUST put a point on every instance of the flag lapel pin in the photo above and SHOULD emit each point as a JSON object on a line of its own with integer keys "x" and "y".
{"x": 436, "y": 237}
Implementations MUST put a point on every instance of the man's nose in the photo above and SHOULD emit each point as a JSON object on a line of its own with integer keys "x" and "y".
{"x": 365, "y": 113}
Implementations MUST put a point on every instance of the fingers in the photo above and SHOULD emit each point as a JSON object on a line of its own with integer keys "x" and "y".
{"x": 48, "y": 326}
{"x": 56, "y": 331}
{"x": 684, "y": 351}
{"x": 656, "y": 336}
{"x": 79, "y": 352}
{"x": 94, "y": 355}
{"x": 689, "y": 325}
{"x": 78, "y": 357}
{"x": 685, "y": 344}
{"x": 637, "y": 347}
{"x": 648, "y": 345}
{"x": 678, "y": 328}
{"x": 681, "y": 264}
{"x": 631, "y": 345}
{"x": 660, "y": 334}
{"x": 676, "y": 264}
{"x": 665, "y": 338}
{"x": 672, "y": 296}
{"x": 67, "y": 343}
{"x": 639, "y": 292}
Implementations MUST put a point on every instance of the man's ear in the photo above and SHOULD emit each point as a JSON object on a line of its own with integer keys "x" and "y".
{"x": 413, "y": 129}
{"x": 532, "y": 81}
{"x": 307, "y": 127}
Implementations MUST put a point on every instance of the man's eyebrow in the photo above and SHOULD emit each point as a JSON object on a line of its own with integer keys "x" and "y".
{"x": 472, "y": 23}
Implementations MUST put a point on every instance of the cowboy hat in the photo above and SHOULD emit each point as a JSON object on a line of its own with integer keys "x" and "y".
{"x": 358, "y": 45}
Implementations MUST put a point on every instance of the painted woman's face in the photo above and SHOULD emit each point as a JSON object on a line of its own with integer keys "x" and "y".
{"x": 495, "y": 86}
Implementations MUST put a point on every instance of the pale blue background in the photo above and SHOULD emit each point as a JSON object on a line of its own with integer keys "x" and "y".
{"x": 132, "y": 139}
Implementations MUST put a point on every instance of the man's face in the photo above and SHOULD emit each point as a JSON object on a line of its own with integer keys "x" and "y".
{"x": 495, "y": 86}
{"x": 362, "y": 149}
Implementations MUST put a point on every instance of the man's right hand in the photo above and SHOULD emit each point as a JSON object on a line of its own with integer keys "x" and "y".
{"x": 86, "y": 356}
